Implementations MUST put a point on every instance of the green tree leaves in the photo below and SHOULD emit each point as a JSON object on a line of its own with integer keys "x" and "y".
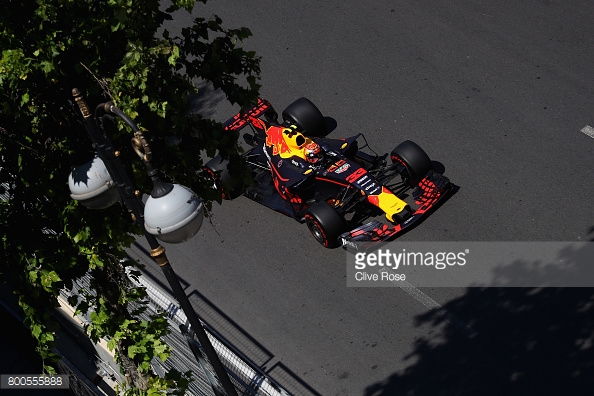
{"x": 111, "y": 50}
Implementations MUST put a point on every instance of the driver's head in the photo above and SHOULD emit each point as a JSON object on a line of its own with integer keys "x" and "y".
{"x": 313, "y": 152}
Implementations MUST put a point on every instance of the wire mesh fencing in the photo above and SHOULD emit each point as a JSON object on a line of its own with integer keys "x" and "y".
{"x": 186, "y": 352}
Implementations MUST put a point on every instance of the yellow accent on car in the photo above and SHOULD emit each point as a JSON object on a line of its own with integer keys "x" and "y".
{"x": 295, "y": 142}
{"x": 390, "y": 204}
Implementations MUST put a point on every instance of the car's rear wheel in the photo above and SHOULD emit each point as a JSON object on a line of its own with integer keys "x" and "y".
{"x": 325, "y": 224}
{"x": 306, "y": 116}
{"x": 229, "y": 187}
{"x": 416, "y": 162}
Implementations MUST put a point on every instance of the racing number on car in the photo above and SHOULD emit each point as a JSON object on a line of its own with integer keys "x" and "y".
{"x": 355, "y": 175}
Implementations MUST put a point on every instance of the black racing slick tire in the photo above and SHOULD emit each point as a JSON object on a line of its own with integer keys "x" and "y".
{"x": 325, "y": 224}
{"x": 229, "y": 187}
{"x": 307, "y": 117}
{"x": 416, "y": 162}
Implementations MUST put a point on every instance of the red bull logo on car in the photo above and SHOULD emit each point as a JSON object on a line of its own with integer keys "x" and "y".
{"x": 286, "y": 142}
{"x": 275, "y": 138}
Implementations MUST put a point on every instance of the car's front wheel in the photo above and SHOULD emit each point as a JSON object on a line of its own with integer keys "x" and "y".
{"x": 416, "y": 162}
{"x": 325, "y": 224}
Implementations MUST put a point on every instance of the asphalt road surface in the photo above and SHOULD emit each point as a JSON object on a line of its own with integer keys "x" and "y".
{"x": 501, "y": 94}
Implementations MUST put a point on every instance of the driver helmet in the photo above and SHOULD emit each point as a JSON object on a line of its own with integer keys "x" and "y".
{"x": 313, "y": 152}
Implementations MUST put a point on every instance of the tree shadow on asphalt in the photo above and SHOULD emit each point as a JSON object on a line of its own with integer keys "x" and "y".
{"x": 206, "y": 101}
{"x": 527, "y": 340}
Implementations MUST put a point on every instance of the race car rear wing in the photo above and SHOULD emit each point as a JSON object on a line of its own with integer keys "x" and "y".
{"x": 241, "y": 119}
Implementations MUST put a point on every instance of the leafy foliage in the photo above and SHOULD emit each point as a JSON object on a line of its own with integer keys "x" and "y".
{"x": 111, "y": 50}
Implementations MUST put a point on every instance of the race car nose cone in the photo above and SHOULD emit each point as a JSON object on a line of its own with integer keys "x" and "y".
{"x": 174, "y": 217}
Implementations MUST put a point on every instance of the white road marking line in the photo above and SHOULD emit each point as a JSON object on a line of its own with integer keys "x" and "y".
{"x": 588, "y": 130}
{"x": 432, "y": 304}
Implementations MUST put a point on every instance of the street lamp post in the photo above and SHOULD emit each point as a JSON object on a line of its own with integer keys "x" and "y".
{"x": 178, "y": 220}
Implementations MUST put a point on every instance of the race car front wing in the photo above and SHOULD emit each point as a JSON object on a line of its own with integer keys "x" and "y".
{"x": 431, "y": 191}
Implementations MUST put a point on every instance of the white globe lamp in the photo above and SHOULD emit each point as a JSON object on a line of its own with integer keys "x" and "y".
{"x": 173, "y": 213}
{"x": 91, "y": 184}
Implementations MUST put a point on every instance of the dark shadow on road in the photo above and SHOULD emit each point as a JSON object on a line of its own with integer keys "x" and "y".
{"x": 527, "y": 341}
{"x": 232, "y": 332}
{"x": 292, "y": 381}
{"x": 206, "y": 101}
